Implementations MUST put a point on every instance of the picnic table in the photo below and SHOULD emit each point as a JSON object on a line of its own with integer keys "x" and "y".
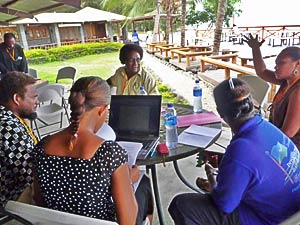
{"x": 166, "y": 49}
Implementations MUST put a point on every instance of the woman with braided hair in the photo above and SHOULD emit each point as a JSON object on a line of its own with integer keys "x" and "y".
{"x": 79, "y": 172}
{"x": 258, "y": 180}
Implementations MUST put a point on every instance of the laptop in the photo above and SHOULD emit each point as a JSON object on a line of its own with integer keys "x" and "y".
{"x": 136, "y": 118}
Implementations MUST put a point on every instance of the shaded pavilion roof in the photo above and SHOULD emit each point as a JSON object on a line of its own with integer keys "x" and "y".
{"x": 86, "y": 14}
{"x": 11, "y": 10}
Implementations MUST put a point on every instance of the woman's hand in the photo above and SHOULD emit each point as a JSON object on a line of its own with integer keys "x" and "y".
{"x": 134, "y": 173}
{"x": 253, "y": 42}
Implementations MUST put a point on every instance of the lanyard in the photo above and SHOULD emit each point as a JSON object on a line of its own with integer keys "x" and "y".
{"x": 28, "y": 129}
{"x": 125, "y": 82}
{"x": 11, "y": 55}
{"x": 284, "y": 90}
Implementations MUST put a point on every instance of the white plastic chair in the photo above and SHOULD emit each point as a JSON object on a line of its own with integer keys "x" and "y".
{"x": 48, "y": 108}
{"x": 33, "y": 72}
{"x": 67, "y": 72}
{"x": 259, "y": 88}
{"x": 43, "y": 216}
{"x": 293, "y": 220}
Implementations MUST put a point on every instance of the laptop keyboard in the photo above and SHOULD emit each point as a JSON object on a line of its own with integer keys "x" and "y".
{"x": 143, "y": 153}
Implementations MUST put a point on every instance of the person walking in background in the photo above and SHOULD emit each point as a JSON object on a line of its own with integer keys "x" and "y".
{"x": 12, "y": 55}
{"x": 78, "y": 171}
{"x": 129, "y": 78}
{"x": 18, "y": 101}
{"x": 258, "y": 180}
{"x": 285, "y": 108}
{"x": 135, "y": 38}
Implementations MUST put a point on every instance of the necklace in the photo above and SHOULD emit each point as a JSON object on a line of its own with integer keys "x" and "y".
{"x": 28, "y": 129}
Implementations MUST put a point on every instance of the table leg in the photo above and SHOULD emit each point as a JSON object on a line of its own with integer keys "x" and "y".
{"x": 181, "y": 177}
{"x": 156, "y": 194}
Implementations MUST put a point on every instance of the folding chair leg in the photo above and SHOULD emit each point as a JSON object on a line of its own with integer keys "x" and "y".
{"x": 61, "y": 119}
{"x": 37, "y": 129}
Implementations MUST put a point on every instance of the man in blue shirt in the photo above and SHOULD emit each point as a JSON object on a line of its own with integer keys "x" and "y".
{"x": 135, "y": 38}
{"x": 259, "y": 176}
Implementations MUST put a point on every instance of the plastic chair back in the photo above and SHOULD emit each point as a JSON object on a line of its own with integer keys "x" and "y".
{"x": 67, "y": 72}
{"x": 43, "y": 216}
{"x": 259, "y": 88}
{"x": 50, "y": 92}
{"x": 33, "y": 72}
{"x": 293, "y": 220}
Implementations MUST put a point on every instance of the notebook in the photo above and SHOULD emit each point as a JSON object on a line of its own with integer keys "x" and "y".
{"x": 136, "y": 118}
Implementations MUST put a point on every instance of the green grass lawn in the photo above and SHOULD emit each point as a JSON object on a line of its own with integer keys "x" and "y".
{"x": 102, "y": 65}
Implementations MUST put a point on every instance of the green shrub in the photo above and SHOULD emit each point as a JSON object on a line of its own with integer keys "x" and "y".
{"x": 38, "y": 56}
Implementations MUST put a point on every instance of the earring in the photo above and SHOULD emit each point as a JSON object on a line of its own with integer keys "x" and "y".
{"x": 295, "y": 72}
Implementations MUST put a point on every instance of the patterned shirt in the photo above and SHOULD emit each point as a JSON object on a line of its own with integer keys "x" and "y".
{"x": 16, "y": 145}
{"x": 80, "y": 186}
{"x": 132, "y": 86}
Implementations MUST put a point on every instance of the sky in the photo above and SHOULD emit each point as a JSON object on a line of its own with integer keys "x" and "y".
{"x": 269, "y": 12}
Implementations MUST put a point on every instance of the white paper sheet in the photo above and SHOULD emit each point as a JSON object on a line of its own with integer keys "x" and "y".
{"x": 132, "y": 149}
{"x": 199, "y": 136}
{"x": 106, "y": 132}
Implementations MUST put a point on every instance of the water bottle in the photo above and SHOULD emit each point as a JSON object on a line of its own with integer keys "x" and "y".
{"x": 142, "y": 91}
{"x": 197, "y": 93}
{"x": 171, "y": 127}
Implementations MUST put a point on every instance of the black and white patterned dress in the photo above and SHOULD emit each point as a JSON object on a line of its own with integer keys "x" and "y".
{"x": 16, "y": 146}
{"x": 80, "y": 186}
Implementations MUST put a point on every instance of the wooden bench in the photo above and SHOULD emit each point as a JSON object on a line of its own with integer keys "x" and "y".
{"x": 150, "y": 46}
{"x": 166, "y": 49}
{"x": 188, "y": 55}
{"x": 178, "y": 51}
{"x": 227, "y": 66}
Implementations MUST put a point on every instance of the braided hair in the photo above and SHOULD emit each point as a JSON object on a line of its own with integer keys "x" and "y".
{"x": 233, "y": 99}
{"x": 86, "y": 93}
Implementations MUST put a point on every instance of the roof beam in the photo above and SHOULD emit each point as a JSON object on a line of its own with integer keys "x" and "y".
{"x": 74, "y": 3}
{"x": 15, "y": 13}
{"x": 9, "y": 3}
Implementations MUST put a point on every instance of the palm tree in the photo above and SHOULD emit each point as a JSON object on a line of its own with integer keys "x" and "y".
{"x": 183, "y": 15}
{"x": 219, "y": 25}
{"x": 156, "y": 23}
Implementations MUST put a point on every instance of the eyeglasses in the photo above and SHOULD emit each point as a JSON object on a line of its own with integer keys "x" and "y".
{"x": 133, "y": 60}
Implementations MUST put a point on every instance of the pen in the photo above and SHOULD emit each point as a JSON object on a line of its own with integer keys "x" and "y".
{"x": 153, "y": 152}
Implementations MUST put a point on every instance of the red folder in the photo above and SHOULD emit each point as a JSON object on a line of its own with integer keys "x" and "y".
{"x": 198, "y": 119}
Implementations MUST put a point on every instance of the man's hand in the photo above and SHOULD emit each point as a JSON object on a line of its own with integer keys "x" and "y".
{"x": 253, "y": 42}
{"x": 134, "y": 173}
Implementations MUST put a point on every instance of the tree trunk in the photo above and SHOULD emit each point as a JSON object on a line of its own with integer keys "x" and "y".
{"x": 219, "y": 26}
{"x": 155, "y": 36}
{"x": 168, "y": 21}
{"x": 183, "y": 15}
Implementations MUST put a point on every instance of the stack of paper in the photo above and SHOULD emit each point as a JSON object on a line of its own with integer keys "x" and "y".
{"x": 132, "y": 149}
{"x": 199, "y": 136}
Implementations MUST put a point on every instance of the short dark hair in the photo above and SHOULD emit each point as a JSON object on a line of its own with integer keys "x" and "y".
{"x": 234, "y": 100}
{"x": 8, "y": 36}
{"x": 293, "y": 52}
{"x": 14, "y": 83}
{"x": 126, "y": 49}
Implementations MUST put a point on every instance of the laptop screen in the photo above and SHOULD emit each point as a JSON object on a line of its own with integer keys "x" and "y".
{"x": 133, "y": 116}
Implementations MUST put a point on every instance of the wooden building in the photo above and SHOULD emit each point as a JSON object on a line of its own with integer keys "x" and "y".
{"x": 56, "y": 29}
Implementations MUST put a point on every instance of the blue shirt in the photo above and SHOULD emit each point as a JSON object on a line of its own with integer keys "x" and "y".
{"x": 259, "y": 174}
{"x": 135, "y": 37}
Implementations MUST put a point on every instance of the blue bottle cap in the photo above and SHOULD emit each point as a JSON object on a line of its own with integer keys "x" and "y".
{"x": 170, "y": 105}
{"x": 197, "y": 81}
{"x": 141, "y": 87}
